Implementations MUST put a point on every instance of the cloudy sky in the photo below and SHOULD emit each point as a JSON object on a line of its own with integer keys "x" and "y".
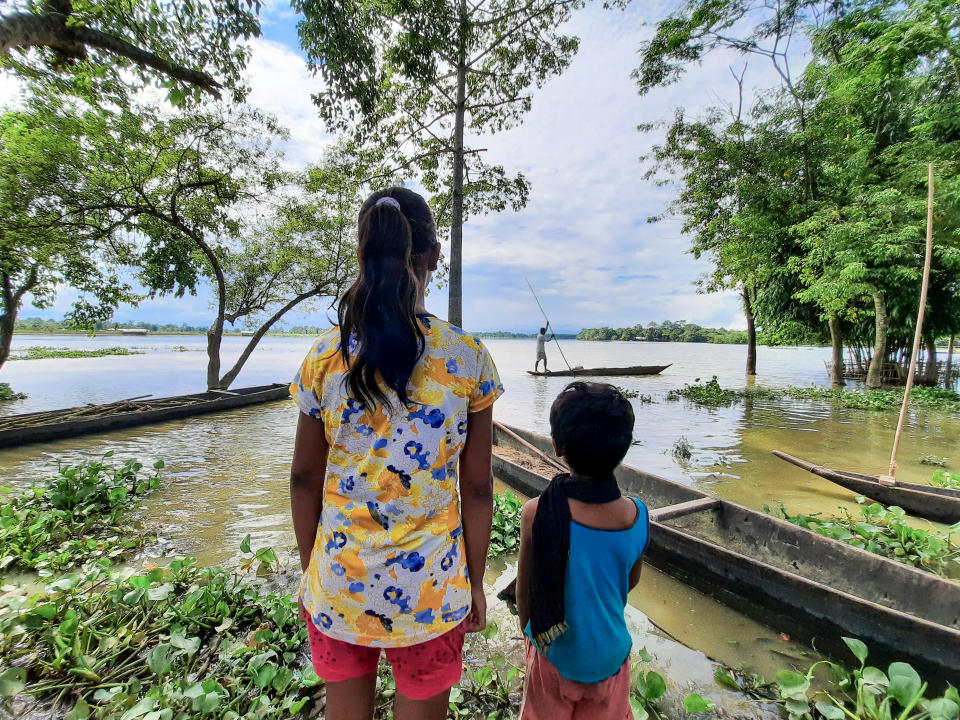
{"x": 583, "y": 239}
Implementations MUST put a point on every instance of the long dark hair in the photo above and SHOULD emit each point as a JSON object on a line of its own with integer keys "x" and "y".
{"x": 378, "y": 321}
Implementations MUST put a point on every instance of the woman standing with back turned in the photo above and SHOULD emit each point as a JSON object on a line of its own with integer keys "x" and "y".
{"x": 391, "y": 401}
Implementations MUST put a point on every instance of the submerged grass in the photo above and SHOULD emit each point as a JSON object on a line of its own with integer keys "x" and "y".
{"x": 884, "y": 531}
{"x": 46, "y": 353}
{"x": 711, "y": 394}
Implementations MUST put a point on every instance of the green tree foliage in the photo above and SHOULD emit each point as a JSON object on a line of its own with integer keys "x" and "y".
{"x": 814, "y": 201}
{"x": 190, "y": 47}
{"x": 666, "y": 331}
{"x": 40, "y": 156}
{"x": 420, "y": 78}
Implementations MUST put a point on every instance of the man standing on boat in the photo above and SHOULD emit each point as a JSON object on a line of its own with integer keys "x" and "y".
{"x": 541, "y": 347}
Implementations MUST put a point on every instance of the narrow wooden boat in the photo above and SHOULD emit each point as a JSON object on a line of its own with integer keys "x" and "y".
{"x": 19, "y": 430}
{"x": 793, "y": 579}
{"x": 933, "y": 503}
{"x": 603, "y": 372}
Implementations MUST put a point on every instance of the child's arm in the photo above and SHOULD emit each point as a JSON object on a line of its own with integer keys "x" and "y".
{"x": 307, "y": 474}
{"x": 635, "y": 572}
{"x": 525, "y": 561}
{"x": 476, "y": 508}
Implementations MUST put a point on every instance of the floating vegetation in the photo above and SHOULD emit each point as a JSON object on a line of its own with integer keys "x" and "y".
{"x": 47, "y": 353}
{"x": 505, "y": 535}
{"x": 8, "y": 393}
{"x": 634, "y": 395}
{"x": 944, "y": 479}
{"x": 682, "y": 449}
{"x": 935, "y": 460}
{"x": 866, "y": 693}
{"x": 710, "y": 394}
{"x": 73, "y": 516}
{"x": 884, "y": 531}
{"x": 176, "y": 641}
{"x": 647, "y": 688}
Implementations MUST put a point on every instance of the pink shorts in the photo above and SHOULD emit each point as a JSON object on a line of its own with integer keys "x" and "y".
{"x": 420, "y": 671}
{"x": 547, "y": 695}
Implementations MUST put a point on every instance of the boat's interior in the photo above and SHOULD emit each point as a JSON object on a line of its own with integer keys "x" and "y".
{"x": 775, "y": 542}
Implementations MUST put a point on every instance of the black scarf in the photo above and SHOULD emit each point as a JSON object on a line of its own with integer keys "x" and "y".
{"x": 551, "y": 548}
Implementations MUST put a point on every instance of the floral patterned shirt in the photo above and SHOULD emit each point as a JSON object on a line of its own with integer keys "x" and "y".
{"x": 388, "y": 568}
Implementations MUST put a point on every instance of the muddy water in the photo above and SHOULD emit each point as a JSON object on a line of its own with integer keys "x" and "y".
{"x": 226, "y": 474}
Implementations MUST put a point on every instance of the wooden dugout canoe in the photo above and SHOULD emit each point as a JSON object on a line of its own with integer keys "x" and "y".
{"x": 933, "y": 503}
{"x": 603, "y": 372}
{"x": 148, "y": 411}
{"x": 795, "y": 580}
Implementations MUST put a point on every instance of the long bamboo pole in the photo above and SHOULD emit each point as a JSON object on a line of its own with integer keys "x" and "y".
{"x": 919, "y": 329}
{"x": 548, "y": 322}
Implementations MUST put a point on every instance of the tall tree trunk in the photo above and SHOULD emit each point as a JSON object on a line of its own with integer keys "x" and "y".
{"x": 948, "y": 368}
{"x": 836, "y": 343}
{"x": 930, "y": 373}
{"x": 7, "y": 321}
{"x": 455, "y": 284}
{"x": 882, "y": 324}
{"x": 232, "y": 373}
{"x": 214, "y": 340}
{"x": 751, "y": 332}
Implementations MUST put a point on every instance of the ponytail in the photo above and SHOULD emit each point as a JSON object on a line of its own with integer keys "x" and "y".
{"x": 377, "y": 315}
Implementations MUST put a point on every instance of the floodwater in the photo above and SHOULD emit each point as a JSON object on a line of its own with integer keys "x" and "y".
{"x": 226, "y": 474}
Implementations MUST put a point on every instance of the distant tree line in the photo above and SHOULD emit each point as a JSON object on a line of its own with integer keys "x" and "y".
{"x": 666, "y": 331}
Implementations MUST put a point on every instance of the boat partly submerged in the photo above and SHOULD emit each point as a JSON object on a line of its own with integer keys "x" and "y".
{"x": 795, "y": 580}
{"x": 603, "y": 372}
{"x": 932, "y": 503}
{"x": 17, "y": 430}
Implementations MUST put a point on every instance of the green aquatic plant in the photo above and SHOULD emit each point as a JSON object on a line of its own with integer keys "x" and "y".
{"x": 648, "y": 688}
{"x": 885, "y": 531}
{"x": 711, "y": 394}
{"x": 865, "y": 693}
{"x": 74, "y": 515}
{"x": 8, "y": 393}
{"x": 682, "y": 449}
{"x": 50, "y": 353}
{"x": 505, "y": 534}
{"x": 935, "y": 460}
{"x": 167, "y": 642}
{"x": 944, "y": 479}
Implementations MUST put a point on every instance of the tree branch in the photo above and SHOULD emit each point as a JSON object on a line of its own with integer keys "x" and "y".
{"x": 24, "y": 30}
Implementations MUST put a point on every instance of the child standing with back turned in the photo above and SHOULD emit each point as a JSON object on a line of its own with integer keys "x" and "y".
{"x": 580, "y": 551}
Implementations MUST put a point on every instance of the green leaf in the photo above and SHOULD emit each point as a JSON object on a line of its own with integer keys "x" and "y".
{"x": 725, "y": 678}
{"x": 490, "y": 631}
{"x": 189, "y": 645}
{"x": 80, "y": 711}
{"x": 693, "y": 703}
{"x": 140, "y": 709}
{"x": 12, "y": 681}
{"x": 160, "y": 659}
{"x": 644, "y": 655}
{"x": 483, "y": 676}
{"x": 265, "y": 675}
{"x": 639, "y": 711}
{"x": 943, "y": 709}
{"x": 245, "y": 544}
{"x": 904, "y": 683}
{"x": 830, "y": 712}
{"x": 858, "y": 648}
{"x": 874, "y": 677}
{"x": 161, "y": 592}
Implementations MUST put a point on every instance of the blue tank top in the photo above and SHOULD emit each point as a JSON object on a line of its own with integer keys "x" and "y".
{"x": 595, "y": 594}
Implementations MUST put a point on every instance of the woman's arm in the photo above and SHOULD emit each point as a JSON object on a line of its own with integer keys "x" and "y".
{"x": 306, "y": 483}
{"x": 524, "y": 561}
{"x": 476, "y": 503}
{"x": 635, "y": 572}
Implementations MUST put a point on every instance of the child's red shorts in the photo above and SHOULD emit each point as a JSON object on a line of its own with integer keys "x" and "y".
{"x": 547, "y": 695}
{"x": 420, "y": 671}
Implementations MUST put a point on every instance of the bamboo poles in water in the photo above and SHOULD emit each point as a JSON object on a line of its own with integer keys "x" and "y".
{"x": 928, "y": 257}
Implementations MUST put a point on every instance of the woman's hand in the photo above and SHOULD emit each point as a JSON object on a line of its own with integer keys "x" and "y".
{"x": 477, "y": 617}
